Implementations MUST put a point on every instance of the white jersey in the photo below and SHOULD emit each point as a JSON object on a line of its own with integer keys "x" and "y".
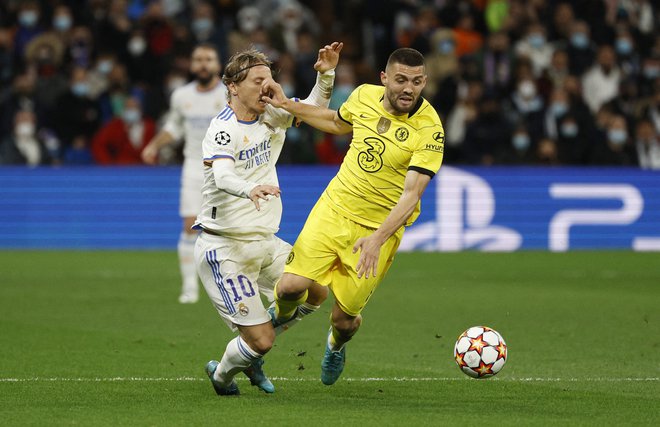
{"x": 254, "y": 148}
{"x": 191, "y": 111}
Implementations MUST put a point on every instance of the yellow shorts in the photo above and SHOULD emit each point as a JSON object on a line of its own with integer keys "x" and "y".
{"x": 323, "y": 252}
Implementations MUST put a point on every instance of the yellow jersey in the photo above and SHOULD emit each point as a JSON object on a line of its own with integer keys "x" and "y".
{"x": 383, "y": 148}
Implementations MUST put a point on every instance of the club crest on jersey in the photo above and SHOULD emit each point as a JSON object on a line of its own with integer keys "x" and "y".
{"x": 401, "y": 134}
{"x": 383, "y": 125}
{"x": 222, "y": 138}
{"x": 243, "y": 309}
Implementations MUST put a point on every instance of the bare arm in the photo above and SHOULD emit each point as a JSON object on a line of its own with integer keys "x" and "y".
{"x": 321, "y": 118}
{"x": 413, "y": 188}
{"x": 150, "y": 152}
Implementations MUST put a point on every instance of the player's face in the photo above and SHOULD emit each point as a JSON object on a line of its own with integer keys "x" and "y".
{"x": 403, "y": 87}
{"x": 249, "y": 90}
{"x": 204, "y": 65}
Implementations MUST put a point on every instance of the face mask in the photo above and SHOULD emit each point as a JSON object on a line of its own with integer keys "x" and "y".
{"x": 623, "y": 46}
{"x": 137, "y": 46}
{"x": 131, "y": 115}
{"x": 446, "y": 47}
{"x": 62, "y": 22}
{"x": 202, "y": 25}
{"x": 25, "y": 129}
{"x": 651, "y": 72}
{"x": 520, "y": 141}
{"x": 580, "y": 40}
{"x": 617, "y": 136}
{"x": 80, "y": 89}
{"x": 558, "y": 109}
{"x": 104, "y": 66}
{"x": 536, "y": 40}
{"x": 527, "y": 89}
{"x": 569, "y": 130}
{"x": 28, "y": 18}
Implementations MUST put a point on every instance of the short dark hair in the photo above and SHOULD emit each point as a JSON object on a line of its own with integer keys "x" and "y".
{"x": 208, "y": 46}
{"x": 406, "y": 56}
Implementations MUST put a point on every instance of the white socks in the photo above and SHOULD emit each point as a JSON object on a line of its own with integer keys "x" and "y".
{"x": 186, "y": 251}
{"x": 238, "y": 356}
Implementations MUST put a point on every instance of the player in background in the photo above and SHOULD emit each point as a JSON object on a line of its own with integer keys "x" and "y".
{"x": 352, "y": 233}
{"x": 191, "y": 109}
{"x": 237, "y": 253}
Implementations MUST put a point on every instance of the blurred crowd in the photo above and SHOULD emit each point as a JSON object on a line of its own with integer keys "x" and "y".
{"x": 514, "y": 81}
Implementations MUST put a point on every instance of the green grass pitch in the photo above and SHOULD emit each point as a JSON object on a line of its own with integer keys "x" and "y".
{"x": 97, "y": 338}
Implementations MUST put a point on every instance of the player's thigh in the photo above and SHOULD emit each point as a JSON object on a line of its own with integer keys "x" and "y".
{"x": 190, "y": 196}
{"x": 229, "y": 271}
{"x": 315, "y": 252}
{"x": 352, "y": 293}
{"x": 277, "y": 252}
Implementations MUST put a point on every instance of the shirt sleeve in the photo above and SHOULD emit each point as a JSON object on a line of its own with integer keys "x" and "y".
{"x": 219, "y": 143}
{"x": 174, "y": 125}
{"x": 430, "y": 149}
{"x": 345, "y": 111}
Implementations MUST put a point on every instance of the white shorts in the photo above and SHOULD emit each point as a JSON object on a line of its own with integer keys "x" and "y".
{"x": 190, "y": 196}
{"x": 234, "y": 272}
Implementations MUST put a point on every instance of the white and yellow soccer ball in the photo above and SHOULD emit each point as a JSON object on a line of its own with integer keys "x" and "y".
{"x": 480, "y": 352}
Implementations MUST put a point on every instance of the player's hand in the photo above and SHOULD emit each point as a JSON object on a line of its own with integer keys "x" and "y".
{"x": 328, "y": 57}
{"x": 150, "y": 154}
{"x": 273, "y": 94}
{"x": 263, "y": 192}
{"x": 369, "y": 248}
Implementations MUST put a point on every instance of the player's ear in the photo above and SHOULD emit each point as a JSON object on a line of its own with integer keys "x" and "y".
{"x": 383, "y": 78}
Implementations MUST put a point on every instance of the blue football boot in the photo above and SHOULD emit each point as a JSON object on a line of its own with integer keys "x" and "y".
{"x": 230, "y": 390}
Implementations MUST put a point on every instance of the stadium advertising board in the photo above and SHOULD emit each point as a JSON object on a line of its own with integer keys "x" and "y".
{"x": 487, "y": 209}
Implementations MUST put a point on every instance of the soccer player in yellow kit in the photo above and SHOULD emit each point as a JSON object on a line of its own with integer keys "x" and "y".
{"x": 352, "y": 233}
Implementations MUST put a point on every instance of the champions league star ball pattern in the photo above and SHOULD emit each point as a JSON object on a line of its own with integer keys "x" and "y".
{"x": 480, "y": 352}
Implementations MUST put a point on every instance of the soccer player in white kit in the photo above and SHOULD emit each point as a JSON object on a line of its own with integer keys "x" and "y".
{"x": 237, "y": 253}
{"x": 192, "y": 107}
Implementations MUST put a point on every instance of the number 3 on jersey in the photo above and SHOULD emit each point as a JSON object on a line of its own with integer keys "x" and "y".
{"x": 371, "y": 159}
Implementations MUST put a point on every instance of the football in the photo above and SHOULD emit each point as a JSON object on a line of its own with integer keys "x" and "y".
{"x": 480, "y": 352}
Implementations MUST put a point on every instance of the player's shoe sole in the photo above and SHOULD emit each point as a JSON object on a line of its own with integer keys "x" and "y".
{"x": 230, "y": 390}
{"x": 257, "y": 377}
{"x": 332, "y": 365}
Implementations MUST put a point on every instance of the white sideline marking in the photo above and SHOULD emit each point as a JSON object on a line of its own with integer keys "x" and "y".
{"x": 393, "y": 379}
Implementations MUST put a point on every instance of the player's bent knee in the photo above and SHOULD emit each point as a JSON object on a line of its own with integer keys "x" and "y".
{"x": 262, "y": 345}
{"x": 291, "y": 285}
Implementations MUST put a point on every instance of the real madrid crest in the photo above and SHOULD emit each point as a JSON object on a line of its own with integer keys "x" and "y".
{"x": 243, "y": 309}
{"x": 383, "y": 125}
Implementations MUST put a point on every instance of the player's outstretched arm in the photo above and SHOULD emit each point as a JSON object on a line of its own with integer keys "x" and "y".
{"x": 321, "y": 118}
{"x": 369, "y": 246}
{"x": 150, "y": 152}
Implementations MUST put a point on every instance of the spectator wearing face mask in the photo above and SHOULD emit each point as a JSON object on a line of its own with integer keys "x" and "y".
{"x": 441, "y": 62}
{"x": 535, "y": 46}
{"x": 206, "y": 28}
{"x": 615, "y": 149}
{"x": 581, "y": 50}
{"x": 28, "y": 27}
{"x": 76, "y": 113}
{"x": 496, "y": 60}
{"x": 520, "y": 150}
{"x": 23, "y": 146}
{"x": 526, "y": 104}
{"x": 121, "y": 141}
{"x": 572, "y": 141}
{"x": 647, "y": 145}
